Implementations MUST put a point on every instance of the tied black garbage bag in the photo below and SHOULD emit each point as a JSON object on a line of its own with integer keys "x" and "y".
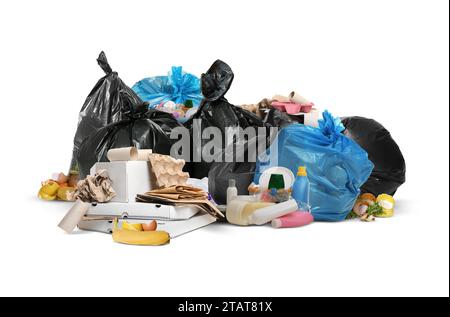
{"x": 138, "y": 128}
{"x": 389, "y": 171}
{"x": 216, "y": 111}
{"x": 166, "y": 121}
{"x": 106, "y": 103}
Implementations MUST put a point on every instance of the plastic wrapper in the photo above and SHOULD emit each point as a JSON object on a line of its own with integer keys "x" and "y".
{"x": 138, "y": 128}
{"x": 337, "y": 166}
{"x": 390, "y": 168}
{"x": 216, "y": 111}
{"x": 105, "y": 104}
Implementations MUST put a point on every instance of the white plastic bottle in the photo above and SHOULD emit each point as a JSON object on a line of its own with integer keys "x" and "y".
{"x": 232, "y": 191}
{"x": 244, "y": 213}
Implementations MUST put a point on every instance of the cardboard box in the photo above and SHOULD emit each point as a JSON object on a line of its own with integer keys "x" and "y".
{"x": 129, "y": 178}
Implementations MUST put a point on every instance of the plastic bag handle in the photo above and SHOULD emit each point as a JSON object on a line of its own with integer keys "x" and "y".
{"x": 216, "y": 82}
{"x": 103, "y": 63}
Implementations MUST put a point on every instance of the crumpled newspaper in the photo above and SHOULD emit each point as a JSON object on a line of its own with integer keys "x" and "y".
{"x": 94, "y": 188}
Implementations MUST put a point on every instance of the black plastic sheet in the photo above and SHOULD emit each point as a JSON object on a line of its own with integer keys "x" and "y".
{"x": 390, "y": 169}
{"x": 106, "y": 103}
{"x": 140, "y": 127}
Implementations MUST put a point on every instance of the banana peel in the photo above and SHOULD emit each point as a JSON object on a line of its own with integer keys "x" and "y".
{"x": 135, "y": 237}
{"x": 63, "y": 193}
{"x": 48, "y": 190}
{"x": 132, "y": 226}
{"x": 51, "y": 190}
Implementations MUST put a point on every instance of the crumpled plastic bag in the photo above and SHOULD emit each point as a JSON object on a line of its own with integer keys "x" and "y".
{"x": 138, "y": 128}
{"x": 216, "y": 111}
{"x": 95, "y": 188}
{"x": 104, "y": 105}
{"x": 337, "y": 166}
{"x": 390, "y": 168}
{"x": 178, "y": 87}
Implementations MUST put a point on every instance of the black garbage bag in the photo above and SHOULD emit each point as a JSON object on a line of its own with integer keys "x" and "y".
{"x": 103, "y": 106}
{"x": 276, "y": 118}
{"x": 165, "y": 120}
{"x": 238, "y": 167}
{"x": 216, "y": 111}
{"x": 389, "y": 171}
{"x": 138, "y": 128}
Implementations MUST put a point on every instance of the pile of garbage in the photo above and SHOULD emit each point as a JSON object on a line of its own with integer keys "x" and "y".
{"x": 172, "y": 154}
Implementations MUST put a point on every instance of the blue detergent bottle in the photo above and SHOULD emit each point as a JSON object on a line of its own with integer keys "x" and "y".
{"x": 300, "y": 189}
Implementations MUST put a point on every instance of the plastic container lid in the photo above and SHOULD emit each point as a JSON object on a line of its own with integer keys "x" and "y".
{"x": 302, "y": 171}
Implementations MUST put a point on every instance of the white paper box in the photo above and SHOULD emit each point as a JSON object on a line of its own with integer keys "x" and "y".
{"x": 143, "y": 210}
{"x": 129, "y": 178}
{"x": 175, "y": 228}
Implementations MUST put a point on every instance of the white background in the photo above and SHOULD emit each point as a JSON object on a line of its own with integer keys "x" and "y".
{"x": 388, "y": 60}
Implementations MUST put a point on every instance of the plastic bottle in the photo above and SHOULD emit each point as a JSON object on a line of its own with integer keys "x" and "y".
{"x": 244, "y": 213}
{"x": 231, "y": 190}
{"x": 300, "y": 189}
{"x": 294, "y": 219}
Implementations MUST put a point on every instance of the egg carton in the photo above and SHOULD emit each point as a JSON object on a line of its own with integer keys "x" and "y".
{"x": 168, "y": 171}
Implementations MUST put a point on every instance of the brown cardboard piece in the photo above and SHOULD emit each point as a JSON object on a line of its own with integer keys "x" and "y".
{"x": 181, "y": 195}
{"x": 167, "y": 171}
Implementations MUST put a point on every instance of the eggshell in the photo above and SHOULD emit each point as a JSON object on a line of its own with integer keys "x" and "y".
{"x": 151, "y": 226}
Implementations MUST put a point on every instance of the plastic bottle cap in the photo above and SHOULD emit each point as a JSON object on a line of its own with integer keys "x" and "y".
{"x": 302, "y": 171}
{"x": 232, "y": 183}
{"x": 276, "y": 181}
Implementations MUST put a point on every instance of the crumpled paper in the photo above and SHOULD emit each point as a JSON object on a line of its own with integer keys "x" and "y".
{"x": 258, "y": 108}
{"x": 94, "y": 188}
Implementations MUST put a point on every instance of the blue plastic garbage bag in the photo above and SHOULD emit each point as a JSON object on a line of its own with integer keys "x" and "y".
{"x": 178, "y": 87}
{"x": 337, "y": 166}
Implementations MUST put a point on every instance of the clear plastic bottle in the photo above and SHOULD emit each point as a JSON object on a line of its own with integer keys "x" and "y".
{"x": 232, "y": 191}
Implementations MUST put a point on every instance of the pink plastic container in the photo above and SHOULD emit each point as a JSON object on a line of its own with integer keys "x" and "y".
{"x": 293, "y": 108}
{"x": 280, "y": 106}
{"x": 307, "y": 108}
